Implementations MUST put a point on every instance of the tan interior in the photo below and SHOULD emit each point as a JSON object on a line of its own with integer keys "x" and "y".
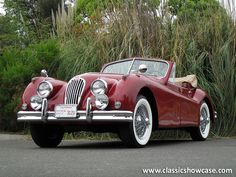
{"x": 192, "y": 79}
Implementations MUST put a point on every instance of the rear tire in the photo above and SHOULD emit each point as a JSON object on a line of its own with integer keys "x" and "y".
{"x": 138, "y": 132}
{"x": 201, "y": 133}
{"x": 46, "y": 135}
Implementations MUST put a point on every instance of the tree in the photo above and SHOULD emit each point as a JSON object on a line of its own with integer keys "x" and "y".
{"x": 190, "y": 8}
{"x": 96, "y": 9}
{"x": 8, "y": 35}
{"x": 32, "y": 17}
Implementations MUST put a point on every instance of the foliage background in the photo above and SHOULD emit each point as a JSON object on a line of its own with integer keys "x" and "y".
{"x": 199, "y": 35}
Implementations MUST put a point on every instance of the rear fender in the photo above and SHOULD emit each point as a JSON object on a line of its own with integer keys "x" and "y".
{"x": 200, "y": 96}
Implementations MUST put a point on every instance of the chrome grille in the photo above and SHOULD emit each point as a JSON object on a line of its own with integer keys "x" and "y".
{"x": 74, "y": 91}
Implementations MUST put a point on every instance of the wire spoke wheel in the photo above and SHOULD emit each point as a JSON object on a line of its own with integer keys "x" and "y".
{"x": 141, "y": 121}
{"x": 204, "y": 120}
{"x": 201, "y": 133}
{"x": 138, "y": 133}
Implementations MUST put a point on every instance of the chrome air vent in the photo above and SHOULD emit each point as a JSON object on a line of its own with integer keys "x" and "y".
{"x": 74, "y": 91}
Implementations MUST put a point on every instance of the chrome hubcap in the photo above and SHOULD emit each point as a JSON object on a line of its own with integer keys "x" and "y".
{"x": 141, "y": 121}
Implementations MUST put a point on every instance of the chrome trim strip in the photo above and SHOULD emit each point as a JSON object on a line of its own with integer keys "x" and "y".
{"x": 103, "y": 116}
{"x": 131, "y": 66}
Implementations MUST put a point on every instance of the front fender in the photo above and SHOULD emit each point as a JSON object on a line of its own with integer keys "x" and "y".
{"x": 55, "y": 97}
{"x": 126, "y": 91}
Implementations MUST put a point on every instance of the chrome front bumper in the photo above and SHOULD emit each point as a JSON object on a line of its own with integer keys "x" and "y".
{"x": 106, "y": 116}
{"x": 82, "y": 116}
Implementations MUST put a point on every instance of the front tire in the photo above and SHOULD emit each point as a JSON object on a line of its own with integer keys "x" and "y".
{"x": 201, "y": 133}
{"x": 138, "y": 132}
{"x": 46, "y": 135}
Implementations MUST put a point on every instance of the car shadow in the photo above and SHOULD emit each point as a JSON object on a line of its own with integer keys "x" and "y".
{"x": 167, "y": 142}
{"x": 116, "y": 144}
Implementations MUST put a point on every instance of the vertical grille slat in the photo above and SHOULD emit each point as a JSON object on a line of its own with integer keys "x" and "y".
{"x": 74, "y": 91}
{"x": 77, "y": 95}
{"x": 70, "y": 93}
{"x": 80, "y": 87}
{"x": 69, "y": 89}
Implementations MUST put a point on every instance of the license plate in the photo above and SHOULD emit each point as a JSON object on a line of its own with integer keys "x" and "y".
{"x": 66, "y": 111}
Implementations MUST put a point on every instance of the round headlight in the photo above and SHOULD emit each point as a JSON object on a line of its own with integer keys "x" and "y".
{"x": 44, "y": 89}
{"x": 99, "y": 87}
{"x": 36, "y": 102}
{"x": 101, "y": 101}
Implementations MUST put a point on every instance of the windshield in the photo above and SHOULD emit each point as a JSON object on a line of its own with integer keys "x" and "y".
{"x": 122, "y": 67}
{"x": 154, "y": 67}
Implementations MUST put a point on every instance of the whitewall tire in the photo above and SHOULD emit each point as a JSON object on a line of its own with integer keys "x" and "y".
{"x": 138, "y": 133}
{"x": 201, "y": 132}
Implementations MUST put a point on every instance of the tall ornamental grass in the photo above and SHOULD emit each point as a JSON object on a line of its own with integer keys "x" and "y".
{"x": 203, "y": 44}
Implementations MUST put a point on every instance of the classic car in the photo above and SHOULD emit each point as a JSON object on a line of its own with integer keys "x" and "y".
{"x": 131, "y": 97}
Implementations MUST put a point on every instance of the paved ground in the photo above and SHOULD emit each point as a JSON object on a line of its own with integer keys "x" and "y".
{"x": 20, "y": 157}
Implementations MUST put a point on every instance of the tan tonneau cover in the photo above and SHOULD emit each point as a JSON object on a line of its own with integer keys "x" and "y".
{"x": 192, "y": 79}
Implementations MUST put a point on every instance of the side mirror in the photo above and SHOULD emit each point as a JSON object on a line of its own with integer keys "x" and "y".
{"x": 142, "y": 68}
{"x": 44, "y": 73}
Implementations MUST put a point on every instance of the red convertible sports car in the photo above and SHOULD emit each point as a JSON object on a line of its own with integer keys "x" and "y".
{"x": 131, "y": 97}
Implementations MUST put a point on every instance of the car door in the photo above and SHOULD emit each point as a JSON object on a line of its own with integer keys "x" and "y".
{"x": 169, "y": 103}
{"x": 188, "y": 112}
{"x": 169, "y": 110}
{"x": 186, "y": 107}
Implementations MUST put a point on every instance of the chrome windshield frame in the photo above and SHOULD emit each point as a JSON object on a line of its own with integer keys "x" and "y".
{"x": 137, "y": 58}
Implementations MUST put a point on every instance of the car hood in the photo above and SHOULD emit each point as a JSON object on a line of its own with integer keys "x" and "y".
{"x": 111, "y": 79}
{"x": 94, "y": 76}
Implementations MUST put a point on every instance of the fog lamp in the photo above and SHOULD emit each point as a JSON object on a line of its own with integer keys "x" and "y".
{"x": 36, "y": 102}
{"x": 101, "y": 101}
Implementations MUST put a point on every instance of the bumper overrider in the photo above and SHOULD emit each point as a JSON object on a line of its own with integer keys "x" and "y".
{"x": 82, "y": 116}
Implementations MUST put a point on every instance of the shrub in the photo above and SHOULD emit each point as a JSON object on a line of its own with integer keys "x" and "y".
{"x": 17, "y": 67}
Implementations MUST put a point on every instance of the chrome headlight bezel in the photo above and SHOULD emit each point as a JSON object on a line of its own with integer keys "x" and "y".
{"x": 101, "y": 101}
{"x": 46, "y": 90}
{"x": 98, "y": 87}
{"x": 36, "y": 102}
